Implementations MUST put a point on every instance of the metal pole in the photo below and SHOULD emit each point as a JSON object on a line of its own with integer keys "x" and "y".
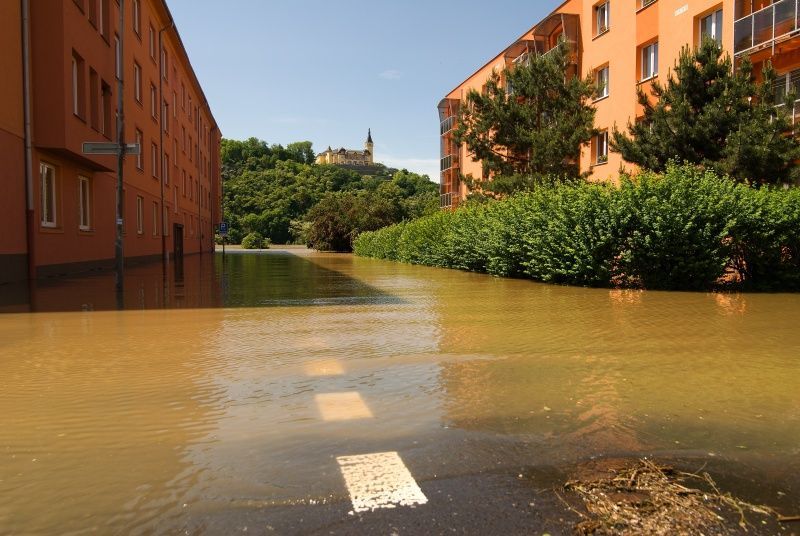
{"x": 30, "y": 228}
{"x": 118, "y": 245}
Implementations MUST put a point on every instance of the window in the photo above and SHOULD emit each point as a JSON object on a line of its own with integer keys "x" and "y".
{"x": 645, "y": 3}
{"x": 166, "y": 168}
{"x": 94, "y": 97}
{"x": 152, "y": 42}
{"x": 154, "y": 158}
{"x": 183, "y": 177}
{"x": 139, "y": 159}
{"x": 48, "y": 178}
{"x": 650, "y": 61}
{"x": 183, "y": 96}
{"x": 601, "y": 80}
{"x": 137, "y": 82}
{"x": 105, "y": 109}
{"x": 175, "y": 199}
{"x": 601, "y": 148}
{"x": 84, "y": 203}
{"x": 601, "y": 13}
{"x": 137, "y": 17}
{"x": 102, "y": 10}
{"x": 139, "y": 214}
{"x": 155, "y": 218}
{"x": 78, "y": 86}
{"x": 164, "y": 64}
{"x": 153, "y": 102}
{"x": 711, "y": 26}
{"x": 165, "y": 115}
{"x": 165, "y": 221}
{"x": 117, "y": 57}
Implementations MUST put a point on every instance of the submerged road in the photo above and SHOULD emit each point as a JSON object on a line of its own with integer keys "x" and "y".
{"x": 291, "y": 392}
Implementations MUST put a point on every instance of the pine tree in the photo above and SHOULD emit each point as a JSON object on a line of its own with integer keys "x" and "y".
{"x": 713, "y": 115}
{"x": 531, "y": 130}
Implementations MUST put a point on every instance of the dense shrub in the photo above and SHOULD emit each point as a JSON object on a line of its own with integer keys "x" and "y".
{"x": 686, "y": 229}
{"x": 255, "y": 241}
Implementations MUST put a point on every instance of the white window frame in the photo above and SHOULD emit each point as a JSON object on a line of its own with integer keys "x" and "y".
{"x": 604, "y": 22}
{"x": 117, "y": 57}
{"x": 600, "y": 78}
{"x": 715, "y": 18}
{"x": 154, "y": 157}
{"x": 137, "y": 16}
{"x": 84, "y": 203}
{"x": 139, "y": 214}
{"x": 155, "y": 218}
{"x": 601, "y": 148}
{"x": 153, "y": 101}
{"x": 650, "y": 59}
{"x": 137, "y": 81}
{"x": 165, "y": 165}
{"x": 49, "y": 197}
{"x": 139, "y": 159}
{"x": 75, "y": 88}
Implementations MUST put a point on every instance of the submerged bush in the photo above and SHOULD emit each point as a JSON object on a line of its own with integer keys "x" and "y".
{"x": 684, "y": 229}
{"x": 255, "y": 241}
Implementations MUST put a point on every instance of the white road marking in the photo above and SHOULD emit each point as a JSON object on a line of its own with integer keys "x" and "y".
{"x": 379, "y": 480}
{"x": 326, "y": 367}
{"x": 344, "y": 406}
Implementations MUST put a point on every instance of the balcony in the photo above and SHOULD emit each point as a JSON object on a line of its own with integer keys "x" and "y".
{"x": 794, "y": 113}
{"x": 448, "y": 162}
{"x": 763, "y": 28}
{"x": 449, "y": 200}
{"x": 447, "y": 125}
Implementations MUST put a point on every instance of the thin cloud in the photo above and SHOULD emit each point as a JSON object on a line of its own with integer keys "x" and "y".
{"x": 391, "y": 74}
{"x": 423, "y": 166}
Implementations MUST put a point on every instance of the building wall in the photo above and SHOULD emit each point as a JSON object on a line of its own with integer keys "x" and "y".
{"x": 13, "y": 247}
{"x": 674, "y": 24}
{"x": 180, "y": 140}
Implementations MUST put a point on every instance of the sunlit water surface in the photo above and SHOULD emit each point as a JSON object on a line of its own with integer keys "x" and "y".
{"x": 200, "y": 395}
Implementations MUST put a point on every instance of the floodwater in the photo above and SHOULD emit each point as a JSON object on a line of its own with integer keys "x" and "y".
{"x": 236, "y": 383}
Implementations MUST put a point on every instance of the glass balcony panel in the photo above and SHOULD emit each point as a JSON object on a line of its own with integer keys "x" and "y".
{"x": 784, "y": 17}
{"x": 762, "y": 26}
{"x": 743, "y": 35}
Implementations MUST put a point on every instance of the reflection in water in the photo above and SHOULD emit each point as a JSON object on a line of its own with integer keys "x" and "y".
{"x": 220, "y": 387}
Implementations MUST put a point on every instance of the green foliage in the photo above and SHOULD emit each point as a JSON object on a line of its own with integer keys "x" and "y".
{"x": 534, "y": 132}
{"x": 270, "y": 190}
{"x": 255, "y": 241}
{"x": 711, "y": 114}
{"x": 684, "y": 229}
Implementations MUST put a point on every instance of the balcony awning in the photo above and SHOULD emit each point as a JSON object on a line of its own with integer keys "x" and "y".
{"x": 568, "y": 23}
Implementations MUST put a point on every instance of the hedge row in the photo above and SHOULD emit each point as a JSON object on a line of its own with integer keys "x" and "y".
{"x": 684, "y": 229}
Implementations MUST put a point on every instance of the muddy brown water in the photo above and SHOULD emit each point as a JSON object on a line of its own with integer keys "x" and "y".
{"x": 199, "y": 396}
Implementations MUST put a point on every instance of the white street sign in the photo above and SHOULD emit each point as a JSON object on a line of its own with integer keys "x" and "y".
{"x": 103, "y": 147}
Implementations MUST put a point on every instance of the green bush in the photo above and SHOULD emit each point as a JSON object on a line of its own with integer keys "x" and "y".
{"x": 685, "y": 229}
{"x": 255, "y": 241}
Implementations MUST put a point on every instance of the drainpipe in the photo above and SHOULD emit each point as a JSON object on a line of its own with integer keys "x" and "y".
{"x": 199, "y": 182}
{"x": 30, "y": 215}
{"x": 164, "y": 258}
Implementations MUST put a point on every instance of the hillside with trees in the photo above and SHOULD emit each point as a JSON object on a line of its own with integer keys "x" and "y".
{"x": 281, "y": 194}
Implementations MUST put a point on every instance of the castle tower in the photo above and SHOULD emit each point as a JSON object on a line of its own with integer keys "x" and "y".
{"x": 368, "y": 146}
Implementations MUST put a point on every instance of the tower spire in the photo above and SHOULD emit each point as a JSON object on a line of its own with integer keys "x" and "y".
{"x": 369, "y": 135}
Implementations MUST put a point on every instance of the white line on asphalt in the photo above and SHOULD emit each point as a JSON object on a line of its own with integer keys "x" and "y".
{"x": 344, "y": 406}
{"x": 379, "y": 480}
{"x": 325, "y": 367}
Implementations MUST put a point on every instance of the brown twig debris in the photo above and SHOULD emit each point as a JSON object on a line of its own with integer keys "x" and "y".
{"x": 647, "y": 498}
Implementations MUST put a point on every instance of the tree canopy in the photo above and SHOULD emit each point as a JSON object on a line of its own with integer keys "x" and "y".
{"x": 270, "y": 189}
{"x": 532, "y": 128}
{"x": 710, "y": 114}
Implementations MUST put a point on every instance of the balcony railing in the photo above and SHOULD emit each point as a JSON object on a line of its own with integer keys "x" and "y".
{"x": 447, "y": 125}
{"x": 449, "y": 200}
{"x": 794, "y": 113}
{"x": 449, "y": 161}
{"x": 761, "y": 28}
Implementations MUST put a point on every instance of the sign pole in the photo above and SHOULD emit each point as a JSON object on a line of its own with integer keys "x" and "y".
{"x": 118, "y": 245}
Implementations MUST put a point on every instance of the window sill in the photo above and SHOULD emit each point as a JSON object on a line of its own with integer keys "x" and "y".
{"x": 596, "y": 164}
{"x": 50, "y": 229}
{"x": 645, "y": 7}
{"x": 601, "y": 34}
{"x": 648, "y": 79}
{"x": 598, "y": 99}
{"x": 86, "y": 231}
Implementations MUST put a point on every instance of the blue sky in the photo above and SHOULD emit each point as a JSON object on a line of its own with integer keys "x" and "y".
{"x": 325, "y": 71}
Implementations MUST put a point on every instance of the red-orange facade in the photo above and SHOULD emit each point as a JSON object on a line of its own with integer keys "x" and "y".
{"x": 64, "y": 220}
{"x": 625, "y": 45}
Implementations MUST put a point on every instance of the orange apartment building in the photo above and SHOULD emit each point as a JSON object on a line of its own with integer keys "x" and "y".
{"x": 624, "y": 44}
{"x": 61, "y": 62}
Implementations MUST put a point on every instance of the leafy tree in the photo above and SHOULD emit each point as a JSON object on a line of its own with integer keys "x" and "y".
{"x": 341, "y": 216}
{"x": 269, "y": 189}
{"x": 711, "y": 114}
{"x": 534, "y": 131}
